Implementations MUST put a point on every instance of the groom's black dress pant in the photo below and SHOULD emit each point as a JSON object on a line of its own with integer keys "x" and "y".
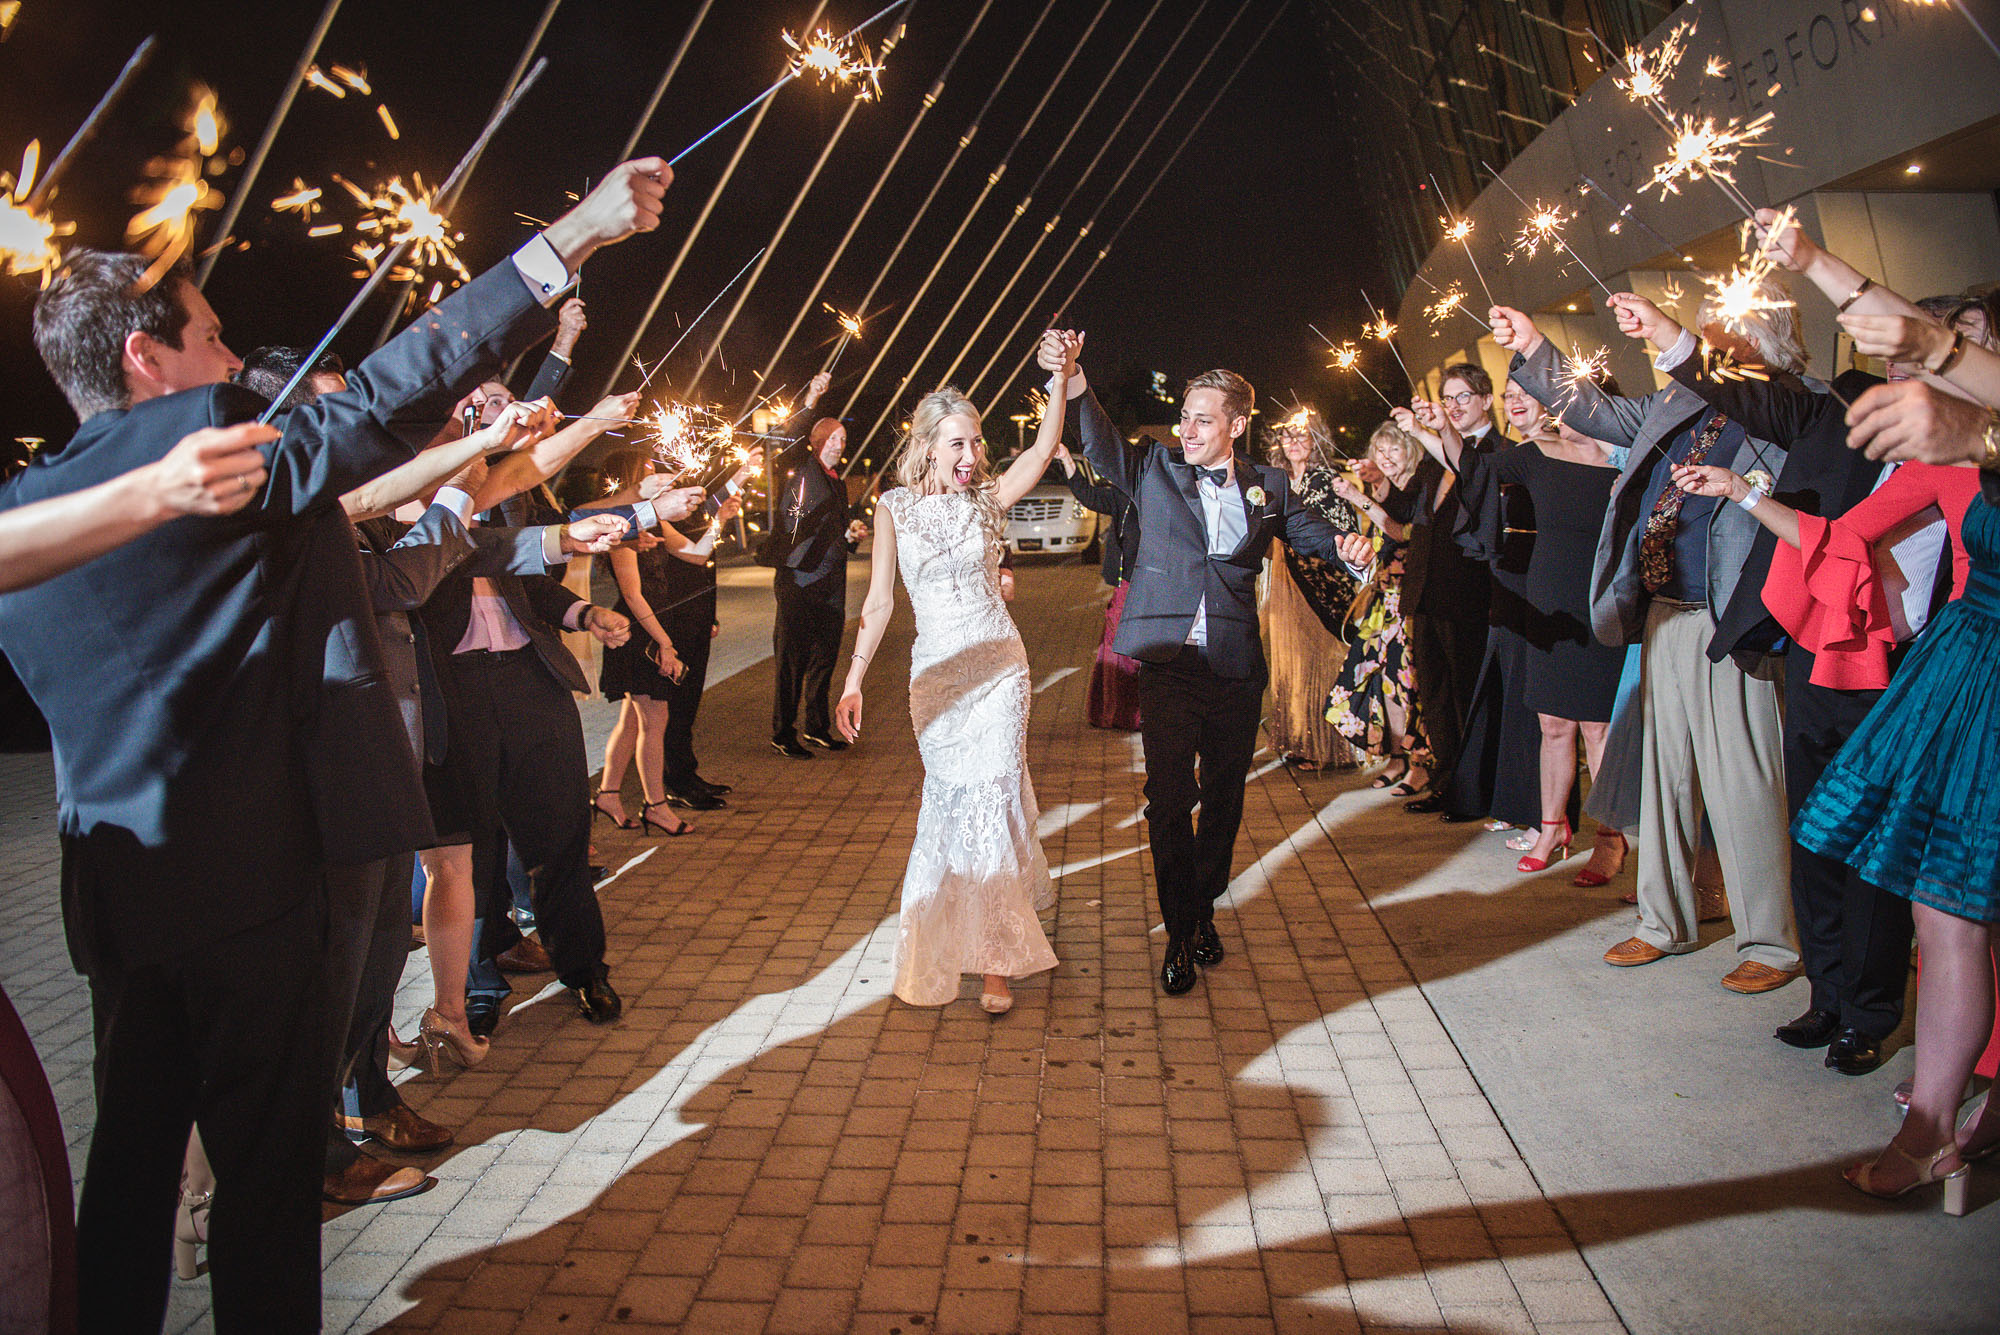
{"x": 1190, "y": 716}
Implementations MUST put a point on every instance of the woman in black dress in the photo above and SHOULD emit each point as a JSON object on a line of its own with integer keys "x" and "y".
{"x": 667, "y": 589}
{"x": 1572, "y": 680}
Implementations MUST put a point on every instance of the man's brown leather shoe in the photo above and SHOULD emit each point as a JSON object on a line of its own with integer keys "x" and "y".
{"x": 525, "y": 956}
{"x": 1633, "y": 951}
{"x": 369, "y": 1181}
{"x": 1750, "y": 978}
{"x": 400, "y": 1129}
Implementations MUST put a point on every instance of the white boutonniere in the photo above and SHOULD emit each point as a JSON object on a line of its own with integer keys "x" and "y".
{"x": 1255, "y": 496}
{"x": 1760, "y": 480}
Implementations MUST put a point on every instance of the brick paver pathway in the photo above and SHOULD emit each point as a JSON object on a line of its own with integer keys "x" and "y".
{"x": 769, "y": 1142}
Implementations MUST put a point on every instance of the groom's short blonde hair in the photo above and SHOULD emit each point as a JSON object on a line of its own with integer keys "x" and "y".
{"x": 1237, "y": 396}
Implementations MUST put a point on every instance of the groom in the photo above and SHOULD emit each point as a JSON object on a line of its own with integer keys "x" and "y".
{"x": 1207, "y": 516}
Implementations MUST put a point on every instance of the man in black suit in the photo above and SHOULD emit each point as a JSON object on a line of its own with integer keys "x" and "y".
{"x": 807, "y": 538}
{"x": 1207, "y": 516}
{"x": 205, "y": 762}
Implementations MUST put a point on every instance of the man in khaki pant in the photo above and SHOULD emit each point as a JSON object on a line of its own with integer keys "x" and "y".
{"x": 1666, "y": 564}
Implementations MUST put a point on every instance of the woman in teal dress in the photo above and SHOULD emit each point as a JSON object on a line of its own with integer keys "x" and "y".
{"x": 1911, "y": 803}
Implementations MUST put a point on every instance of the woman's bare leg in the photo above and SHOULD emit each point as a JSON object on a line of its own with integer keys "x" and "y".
{"x": 448, "y": 922}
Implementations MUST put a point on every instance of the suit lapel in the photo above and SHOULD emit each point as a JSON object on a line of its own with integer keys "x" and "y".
{"x": 1245, "y": 475}
{"x": 1181, "y": 474}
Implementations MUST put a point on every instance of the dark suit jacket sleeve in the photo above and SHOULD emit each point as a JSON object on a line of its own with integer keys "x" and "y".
{"x": 506, "y": 551}
{"x": 549, "y": 380}
{"x": 1116, "y": 461}
{"x": 395, "y": 398}
{"x": 1780, "y": 409}
{"x": 1305, "y": 531}
{"x": 1095, "y": 494}
{"x": 550, "y": 598}
{"x": 403, "y": 578}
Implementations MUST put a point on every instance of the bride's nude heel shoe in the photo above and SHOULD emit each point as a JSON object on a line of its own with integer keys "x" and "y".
{"x": 1861, "y": 1177}
{"x": 995, "y": 1003}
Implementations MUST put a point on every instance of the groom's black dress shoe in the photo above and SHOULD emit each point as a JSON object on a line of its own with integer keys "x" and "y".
{"x": 1429, "y": 804}
{"x": 482, "y": 1015}
{"x": 1457, "y": 817}
{"x": 691, "y": 798}
{"x": 596, "y": 1001}
{"x": 1178, "y": 975}
{"x": 1814, "y": 1029}
{"x": 828, "y": 743}
{"x": 1207, "y": 945}
{"x": 789, "y": 746}
{"x": 1853, "y": 1052}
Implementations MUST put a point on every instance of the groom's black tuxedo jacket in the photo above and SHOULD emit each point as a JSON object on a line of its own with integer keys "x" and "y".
{"x": 222, "y": 723}
{"x": 1174, "y": 572}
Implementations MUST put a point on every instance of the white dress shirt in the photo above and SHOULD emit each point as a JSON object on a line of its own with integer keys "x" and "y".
{"x": 1222, "y": 512}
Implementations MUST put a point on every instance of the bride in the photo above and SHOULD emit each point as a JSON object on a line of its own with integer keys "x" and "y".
{"x": 977, "y": 874}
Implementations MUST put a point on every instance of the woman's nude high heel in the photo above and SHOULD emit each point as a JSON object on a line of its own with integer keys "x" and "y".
{"x": 190, "y": 1231}
{"x": 1861, "y": 1177}
{"x": 439, "y": 1036}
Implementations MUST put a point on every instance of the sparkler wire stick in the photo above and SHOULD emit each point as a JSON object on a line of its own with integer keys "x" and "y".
{"x": 1553, "y": 234}
{"x": 1625, "y": 214}
{"x": 648, "y": 375}
{"x": 1387, "y": 333}
{"x": 1034, "y": 303}
{"x": 446, "y": 198}
{"x": 965, "y": 291}
{"x": 1139, "y": 205}
{"x": 660, "y": 88}
{"x": 248, "y": 181}
{"x": 854, "y": 225}
{"x": 1055, "y": 220}
{"x": 1977, "y": 26}
{"x": 38, "y": 198}
{"x": 1461, "y": 231}
{"x": 923, "y": 209}
{"x": 772, "y": 91}
{"x": 791, "y": 213}
{"x": 389, "y": 261}
{"x": 694, "y": 234}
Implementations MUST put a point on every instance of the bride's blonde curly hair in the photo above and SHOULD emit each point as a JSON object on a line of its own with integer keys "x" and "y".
{"x": 914, "y": 464}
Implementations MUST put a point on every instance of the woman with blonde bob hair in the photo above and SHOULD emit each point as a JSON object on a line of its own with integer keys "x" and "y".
{"x": 977, "y": 874}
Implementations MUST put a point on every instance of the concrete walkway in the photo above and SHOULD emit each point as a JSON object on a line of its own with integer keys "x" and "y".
{"x": 1411, "y": 1097}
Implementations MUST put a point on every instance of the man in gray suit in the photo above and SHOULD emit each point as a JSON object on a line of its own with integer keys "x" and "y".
{"x": 1666, "y": 564}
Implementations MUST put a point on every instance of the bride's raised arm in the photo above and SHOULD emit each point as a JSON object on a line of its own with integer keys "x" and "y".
{"x": 1022, "y": 475}
{"x": 876, "y": 610}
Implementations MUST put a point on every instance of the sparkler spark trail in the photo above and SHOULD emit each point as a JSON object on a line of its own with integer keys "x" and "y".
{"x": 27, "y": 235}
{"x": 1449, "y": 299}
{"x": 1347, "y": 357}
{"x": 1545, "y": 224}
{"x": 316, "y": 78}
{"x": 1746, "y": 289}
{"x": 1460, "y": 230}
{"x": 837, "y": 58}
{"x": 1701, "y": 148}
{"x": 301, "y": 199}
{"x": 177, "y": 188}
{"x": 396, "y": 213}
{"x": 1385, "y": 331}
{"x": 1646, "y": 75}
{"x": 1585, "y": 368}
{"x": 850, "y": 329}
{"x": 840, "y": 61}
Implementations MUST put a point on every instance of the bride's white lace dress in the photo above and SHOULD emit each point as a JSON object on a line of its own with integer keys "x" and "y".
{"x": 977, "y": 873}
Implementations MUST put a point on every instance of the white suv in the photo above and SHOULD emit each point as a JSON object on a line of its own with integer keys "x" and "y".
{"x": 1051, "y": 520}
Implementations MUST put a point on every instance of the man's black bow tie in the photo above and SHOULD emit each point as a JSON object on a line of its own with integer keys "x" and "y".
{"x": 1218, "y": 476}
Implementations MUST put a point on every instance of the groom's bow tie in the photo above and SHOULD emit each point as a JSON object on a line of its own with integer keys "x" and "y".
{"x": 1217, "y": 476}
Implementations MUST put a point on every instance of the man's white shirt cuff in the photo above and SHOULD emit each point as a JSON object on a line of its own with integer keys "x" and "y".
{"x": 543, "y": 270}
{"x": 1683, "y": 348}
{"x": 458, "y": 501}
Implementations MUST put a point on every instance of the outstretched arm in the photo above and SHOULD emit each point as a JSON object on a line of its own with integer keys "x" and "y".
{"x": 1025, "y": 472}
{"x": 876, "y": 610}
{"x": 1708, "y": 480}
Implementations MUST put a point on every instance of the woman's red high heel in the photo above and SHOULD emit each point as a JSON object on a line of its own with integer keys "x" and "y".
{"x": 1589, "y": 878}
{"x": 1532, "y": 863}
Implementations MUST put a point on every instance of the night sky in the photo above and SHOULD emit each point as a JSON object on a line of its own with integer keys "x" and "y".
{"x": 1251, "y": 234}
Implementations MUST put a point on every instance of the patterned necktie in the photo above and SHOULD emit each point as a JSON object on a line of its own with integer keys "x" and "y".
{"x": 1656, "y": 548}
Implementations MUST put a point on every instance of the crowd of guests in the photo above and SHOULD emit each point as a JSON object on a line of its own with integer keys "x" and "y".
{"x": 1763, "y": 609}
{"x": 338, "y": 716}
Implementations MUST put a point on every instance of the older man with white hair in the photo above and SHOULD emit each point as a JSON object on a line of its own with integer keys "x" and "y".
{"x": 1667, "y": 564}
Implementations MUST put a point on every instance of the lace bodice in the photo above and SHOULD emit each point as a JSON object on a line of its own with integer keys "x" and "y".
{"x": 951, "y": 569}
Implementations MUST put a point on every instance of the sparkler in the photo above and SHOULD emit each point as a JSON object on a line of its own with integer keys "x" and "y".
{"x": 850, "y": 328}
{"x": 394, "y": 258}
{"x": 36, "y": 200}
{"x": 1385, "y": 331}
{"x": 838, "y": 62}
{"x": 1450, "y": 299}
{"x": 27, "y": 236}
{"x": 247, "y": 182}
{"x": 1460, "y": 230}
{"x": 1625, "y": 213}
{"x": 1347, "y": 357}
{"x": 177, "y": 188}
{"x": 646, "y": 376}
{"x": 1701, "y": 148}
{"x": 1586, "y": 368}
{"x": 405, "y": 219}
{"x": 1545, "y": 223}
{"x": 1746, "y": 289}
{"x": 1645, "y": 77}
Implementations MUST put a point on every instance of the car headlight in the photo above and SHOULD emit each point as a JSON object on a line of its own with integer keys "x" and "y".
{"x": 1077, "y": 510}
